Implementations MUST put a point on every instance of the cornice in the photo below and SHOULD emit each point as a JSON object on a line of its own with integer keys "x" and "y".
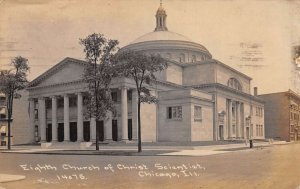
{"x": 228, "y": 89}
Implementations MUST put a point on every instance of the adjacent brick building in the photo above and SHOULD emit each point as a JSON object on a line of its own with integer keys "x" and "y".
{"x": 282, "y": 111}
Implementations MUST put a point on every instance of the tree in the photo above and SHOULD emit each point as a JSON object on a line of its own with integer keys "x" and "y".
{"x": 98, "y": 75}
{"x": 11, "y": 81}
{"x": 141, "y": 68}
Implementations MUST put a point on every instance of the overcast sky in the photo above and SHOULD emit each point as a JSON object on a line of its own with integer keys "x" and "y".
{"x": 251, "y": 36}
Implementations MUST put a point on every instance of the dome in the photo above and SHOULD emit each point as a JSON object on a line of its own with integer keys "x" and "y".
{"x": 169, "y": 44}
{"x": 161, "y": 36}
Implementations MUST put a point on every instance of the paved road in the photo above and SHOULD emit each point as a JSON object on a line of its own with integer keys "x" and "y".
{"x": 268, "y": 167}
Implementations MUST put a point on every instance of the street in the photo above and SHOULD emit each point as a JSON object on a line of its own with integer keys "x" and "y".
{"x": 265, "y": 167}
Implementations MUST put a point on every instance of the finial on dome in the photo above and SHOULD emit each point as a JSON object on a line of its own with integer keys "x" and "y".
{"x": 161, "y": 17}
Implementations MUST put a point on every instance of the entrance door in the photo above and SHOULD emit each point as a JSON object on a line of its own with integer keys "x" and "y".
{"x": 129, "y": 129}
{"x": 60, "y": 132}
{"x": 49, "y": 132}
{"x": 221, "y": 132}
{"x": 100, "y": 130}
{"x": 247, "y": 132}
{"x": 114, "y": 130}
{"x": 73, "y": 131}
{"x": 86, "y": 131}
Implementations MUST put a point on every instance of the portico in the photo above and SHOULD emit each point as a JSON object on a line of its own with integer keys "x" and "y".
{"x": 61, "y": 117}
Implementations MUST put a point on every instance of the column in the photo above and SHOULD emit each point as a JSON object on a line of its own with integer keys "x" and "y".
{"x": 108, "y": 126}
{"x": 134, "y": 114}
{"x": 32, "y": 116}
{"x": 42, "y": 118}
{"x": 242, "y": 118}
{"x": 66, "y": 118}
{"x": 93, "y": 129}
{"x": 229, "y": 118}
{"x": 124, "y": 113}
{"x": 238, "y": 120}
{"x": 54, "y": 118}
{"x": 79, "y": 118}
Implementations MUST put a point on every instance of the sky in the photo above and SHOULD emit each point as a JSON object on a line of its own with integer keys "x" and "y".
{"x": 254, "y": 37}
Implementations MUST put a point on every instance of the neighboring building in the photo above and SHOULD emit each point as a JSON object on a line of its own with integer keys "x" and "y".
{"x": 3, "y": 120}
{"x": 21, "y": 131}
{"x": 282, "y": 111}
{"x": 200, "y": 99}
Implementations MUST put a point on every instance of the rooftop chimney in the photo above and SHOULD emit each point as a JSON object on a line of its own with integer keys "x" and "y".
{"x": 255, "y": 91}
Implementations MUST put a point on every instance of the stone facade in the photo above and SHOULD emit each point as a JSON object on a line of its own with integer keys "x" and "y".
{"x": 200, "y": 99}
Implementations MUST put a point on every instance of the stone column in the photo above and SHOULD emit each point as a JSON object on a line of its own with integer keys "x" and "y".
{"x": 242, "y": 118}
{"x": 238, "y": 120}
{"x": 32, "y": 116}
{"x": 229, "y": 119}
{"x": 108, "y": 126}
{"x": 66, "y": 118}
{"x": 124, "y": 113}
{"x": 93, "y": 129}
{"x": 54, "y": 118}
{"x": 79, "y": 118}
{"x": 134, "y": 114}
{"x": 42, "y": 118}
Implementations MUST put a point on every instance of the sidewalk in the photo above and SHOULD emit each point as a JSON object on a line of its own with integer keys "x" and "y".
{"x": 10, "y": 178}
{"x": 148, "y": 150}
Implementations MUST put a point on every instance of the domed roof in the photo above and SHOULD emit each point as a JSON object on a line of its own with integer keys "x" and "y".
{"x": 161, "y": 36}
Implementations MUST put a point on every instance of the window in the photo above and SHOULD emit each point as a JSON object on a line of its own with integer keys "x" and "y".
{"x": 181, "y": 58}
{"x": 36, "y": 114}
{"x": 114, "y": 96}
{"x": 193, "y": 58}
{"x": 235, "y": 84}
{"x": 174, "y": 112}
{"x": 197, "y": 113}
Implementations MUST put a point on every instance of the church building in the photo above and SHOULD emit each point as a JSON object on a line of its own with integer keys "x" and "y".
{"x": 200, "y": 98}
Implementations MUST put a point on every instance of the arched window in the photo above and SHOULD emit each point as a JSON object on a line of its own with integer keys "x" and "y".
{"x": 193, "y": 58}
{"x": 235, "y": 84}
{"x": 181, "y": 58}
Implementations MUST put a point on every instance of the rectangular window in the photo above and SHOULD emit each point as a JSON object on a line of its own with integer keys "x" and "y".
{"x": 36, "y": 114}
{"x": 174, "y": 112}
{"x": 197, "y": 113}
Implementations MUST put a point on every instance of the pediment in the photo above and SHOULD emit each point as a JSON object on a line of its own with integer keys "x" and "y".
{"x": 68, "y": 70}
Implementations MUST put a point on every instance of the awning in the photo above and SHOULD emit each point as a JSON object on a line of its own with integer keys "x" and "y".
{"x": 3, "y": 129}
